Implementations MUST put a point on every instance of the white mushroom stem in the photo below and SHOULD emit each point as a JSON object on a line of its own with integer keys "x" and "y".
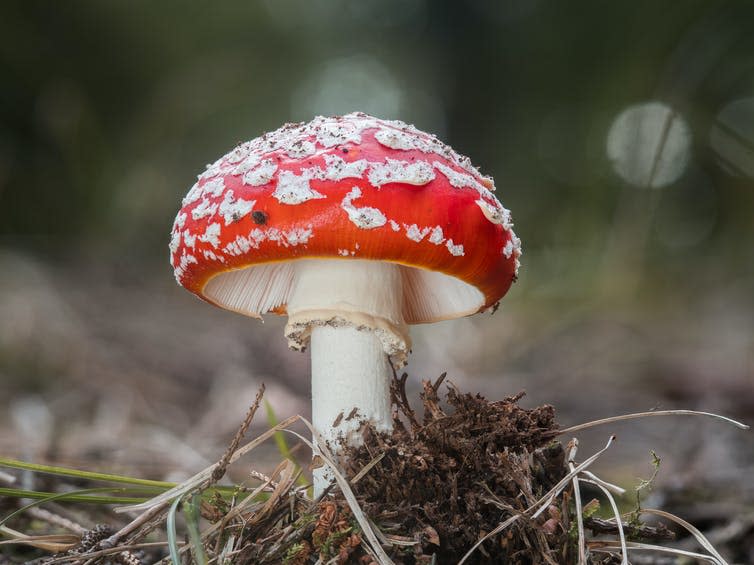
{"x": 350, "y": 370}
{"x": 351, "y": 313}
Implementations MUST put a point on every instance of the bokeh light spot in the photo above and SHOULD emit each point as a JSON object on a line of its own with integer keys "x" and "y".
{"x": 649, "y": 145}
{"x": 359, "y": 82}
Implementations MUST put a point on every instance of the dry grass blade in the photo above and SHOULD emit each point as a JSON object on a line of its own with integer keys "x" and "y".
{"x": 288, "y": 474}
{"x": 52, "y": 543}
{"x": 604, "y": 484}
{"x": 703, "y": 541}
{"x": 358, "y": 476}
{"x": 224, "y": 556}
{"x": 618, "y": 521}
{"x": 144, "y": 518}
{"x": 609, "y": 546}
{"x": 235, "y": 511}
{"x": 650, "y": 413}
{"x": 94, "y": 555}
{"x": 545, "y": 501}
{"x": 493, "y": 533}
{"x": 573, "y": 447}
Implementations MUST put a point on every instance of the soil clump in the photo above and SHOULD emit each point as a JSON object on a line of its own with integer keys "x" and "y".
{"x": 440, "y": 484}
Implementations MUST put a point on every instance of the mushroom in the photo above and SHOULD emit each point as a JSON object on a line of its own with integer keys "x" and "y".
{"x": 354, "y": 227}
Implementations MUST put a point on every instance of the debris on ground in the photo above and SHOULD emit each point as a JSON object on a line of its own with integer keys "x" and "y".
{"x": 463, "y": 480}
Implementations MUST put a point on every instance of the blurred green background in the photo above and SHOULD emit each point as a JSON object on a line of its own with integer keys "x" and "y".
{"x": 620, "y": 134}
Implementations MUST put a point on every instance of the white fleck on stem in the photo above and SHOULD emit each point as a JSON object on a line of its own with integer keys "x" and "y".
{"x": 352, "y": 311}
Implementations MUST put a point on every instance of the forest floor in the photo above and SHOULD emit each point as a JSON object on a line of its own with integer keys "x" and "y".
{"x": 113, "y": 371}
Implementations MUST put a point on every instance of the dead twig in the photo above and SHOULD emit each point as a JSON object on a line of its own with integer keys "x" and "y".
{"x": 222, "y": 465}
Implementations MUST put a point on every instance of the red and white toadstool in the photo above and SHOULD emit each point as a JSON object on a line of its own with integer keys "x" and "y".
{"x": 354, "y": 227}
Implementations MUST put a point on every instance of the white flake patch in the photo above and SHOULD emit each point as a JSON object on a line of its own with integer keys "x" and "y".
{"x": 456, "y": 250}
{"x": 517, "y": 251}
{"x": 257, "y": 236}
{"x": 331, "y": 134}
{"x": 300, "y": 149}
{"x": 187, "y": 259}
{"x": 175, "y": 241}
{"x": 214, "y": 187}
{"x": 338, "y": 168}
{"x": 366, "y": 217}
{"x": 204, "y": 209}
{"x": 188, "y": 239}
{"x": 395, "y": 225}
{"x": 239, "y": 246}
{"x": 414, "y": 233}
{"x": 311, "y": 173}
{"x": 292, "y": 237}
{"x": 209, "y": 254}
{"x": 417, "y": 173}
{"x": 294, "y": 189}
{"x": 396, "y": 139}
{"x": 274, "y": 234}
{"x": 261, "y": 174}
{"x": 247, "y": 164}
{"x": 180, "y": 219}
{"x": 233, "y": 209}
{"x": 512, "y": 248}
{"x": 239, "y": 153}
{"x": 398, "y": 135}
{"x": 461, "y": 180}
{"x": 212, "y": 235}
{"x": 183, "y": 264}
{"x": 496, "y": 214}
{"x": 298, "y": 236}
{"x": 194, "y": 194}
{"x": 508, "y": 249}
{"x": 436, "y": 236}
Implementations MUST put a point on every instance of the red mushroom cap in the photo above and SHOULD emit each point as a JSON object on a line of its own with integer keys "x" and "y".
{"x": 350, "y": 187}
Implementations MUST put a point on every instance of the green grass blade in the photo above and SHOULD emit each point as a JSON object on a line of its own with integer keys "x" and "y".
{"x": 175, "y": 557}
{"x": 90, "y": 475}
{"x": 279, "y": 437}
{"x": 73, "y": 496}
{"x": 192, "y": 513}
{"x": 282, "y": 443}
